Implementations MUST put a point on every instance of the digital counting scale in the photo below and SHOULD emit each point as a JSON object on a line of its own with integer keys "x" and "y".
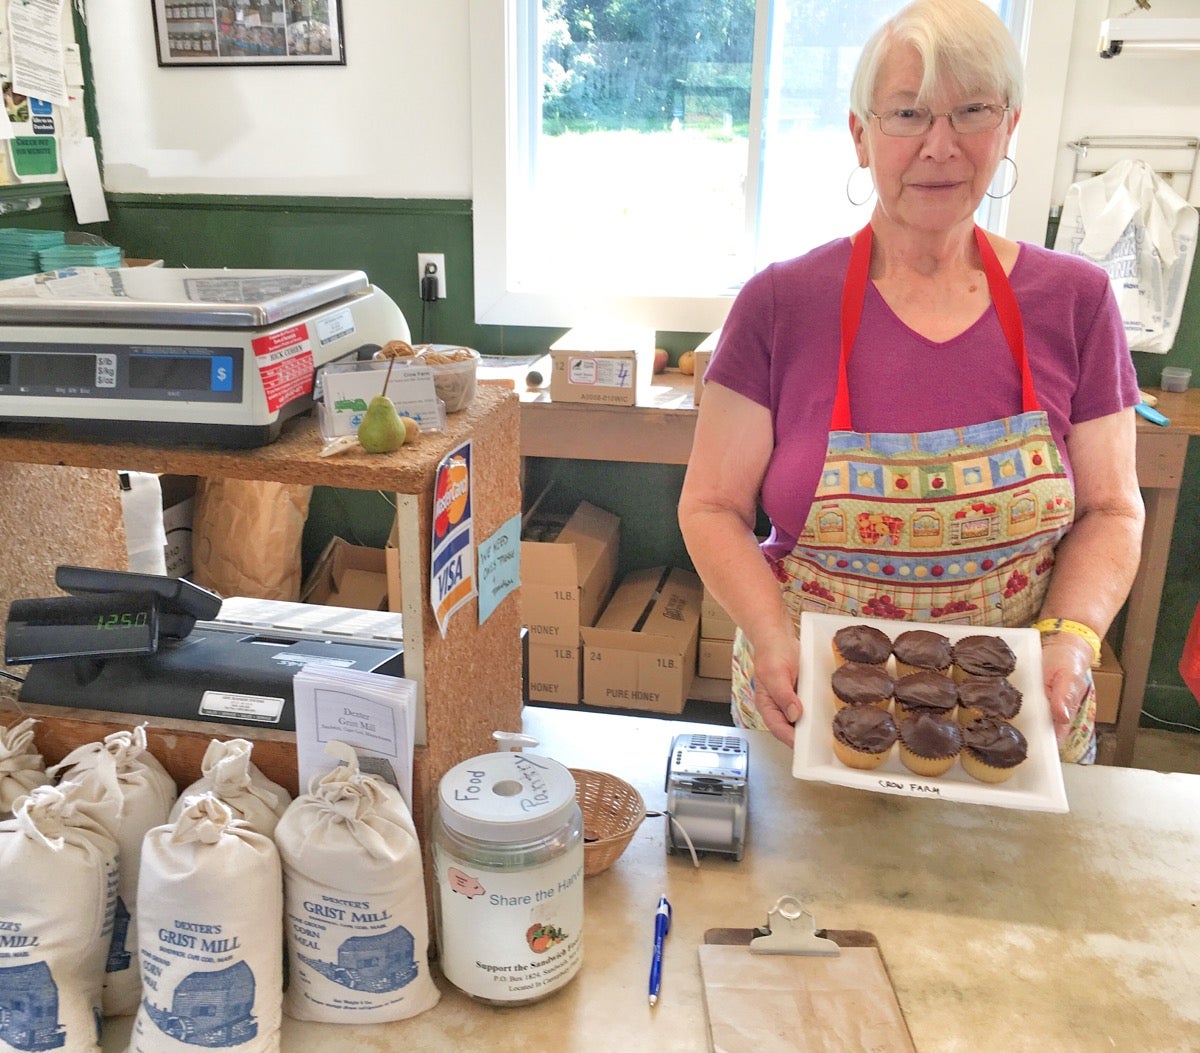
{"x": 220, "y": 357}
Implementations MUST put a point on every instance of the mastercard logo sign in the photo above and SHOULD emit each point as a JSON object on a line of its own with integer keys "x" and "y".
{"x": 451, "y": 496}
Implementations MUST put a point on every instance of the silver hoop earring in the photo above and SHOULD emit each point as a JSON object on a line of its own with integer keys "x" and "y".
{"x": 1015, "y": 176}
{"x": 850, "y": 179}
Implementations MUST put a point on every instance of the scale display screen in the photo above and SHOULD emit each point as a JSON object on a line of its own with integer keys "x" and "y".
{"x": 74, "y": 626}
{"x": 52, "y": 370}
{"x": 204, "y": 374}
{"x": 176, "y": 372}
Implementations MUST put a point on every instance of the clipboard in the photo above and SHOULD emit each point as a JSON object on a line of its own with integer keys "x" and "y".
{"x": 789, "y": 986}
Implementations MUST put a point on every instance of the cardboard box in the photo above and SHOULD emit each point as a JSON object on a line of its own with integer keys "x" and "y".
{"x": 606, "y": 367}
{"x": 564, "y": 584}
{"x": 715, "y": 659}
{"x": 1109, "y": 678}
{"x": 715, "y": 623}
{"x": 641, "y": 653}
{"x": 703, "y": 353}
{"x": 565, "y": 581}
{"x": 554, "y": 673}
{"x": 347, "y": 575}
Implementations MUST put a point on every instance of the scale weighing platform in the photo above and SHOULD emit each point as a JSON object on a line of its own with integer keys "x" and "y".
{"x": 157, "y": 354}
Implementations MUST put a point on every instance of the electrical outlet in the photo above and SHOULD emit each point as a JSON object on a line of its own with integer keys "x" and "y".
{"x": 438, "y": 259}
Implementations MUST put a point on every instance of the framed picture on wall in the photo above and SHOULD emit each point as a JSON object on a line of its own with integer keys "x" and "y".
{"x": 249, "y": 32}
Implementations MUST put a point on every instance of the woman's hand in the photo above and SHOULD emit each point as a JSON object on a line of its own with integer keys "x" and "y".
{"x": 776, "y": 668}
{"x": 1066, "y": 665}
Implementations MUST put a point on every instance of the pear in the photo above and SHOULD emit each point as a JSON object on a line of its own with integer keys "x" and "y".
{"x": 381, "y": 430}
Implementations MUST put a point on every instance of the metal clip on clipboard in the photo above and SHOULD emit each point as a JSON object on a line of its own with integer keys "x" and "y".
{"x": 790, "y": 929}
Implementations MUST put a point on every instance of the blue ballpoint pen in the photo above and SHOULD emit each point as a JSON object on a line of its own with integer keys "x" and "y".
{"x": 662, "y": 925}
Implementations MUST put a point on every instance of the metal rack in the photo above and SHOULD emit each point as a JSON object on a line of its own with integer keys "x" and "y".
{"x": 1113, "y": 148}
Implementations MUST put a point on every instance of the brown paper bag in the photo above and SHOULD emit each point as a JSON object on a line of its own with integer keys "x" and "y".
{"x": 246, "y": 537}
{"x": 787, "y": 1003}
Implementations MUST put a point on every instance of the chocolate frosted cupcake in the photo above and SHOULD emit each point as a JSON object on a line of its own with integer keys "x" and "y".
{"x": 861, "y": 685}
{"x": 930, "y": 693}
{"x": 987, "y": 696}
{"x": 863, "y": 736}
{"x": 982, "y": 656}
{"x": 863, "y": 644}
{"x": 929, "y": 745}
{"x": 921, "y": 651}
{"x": 992, "y": 750}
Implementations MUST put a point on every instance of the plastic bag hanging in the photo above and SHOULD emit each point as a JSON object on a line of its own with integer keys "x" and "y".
{"x": 1134, "y": 225}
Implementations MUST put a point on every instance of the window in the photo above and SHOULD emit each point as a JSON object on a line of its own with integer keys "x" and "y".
{"x": 638, "y": 161}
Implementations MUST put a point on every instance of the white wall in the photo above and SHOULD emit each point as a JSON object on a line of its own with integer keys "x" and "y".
{"x": 1144, "y": 93}
{"x": 395, "y": 121}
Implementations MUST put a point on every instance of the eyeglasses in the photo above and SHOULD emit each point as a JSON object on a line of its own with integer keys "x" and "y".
{"x": 971, "y": 119}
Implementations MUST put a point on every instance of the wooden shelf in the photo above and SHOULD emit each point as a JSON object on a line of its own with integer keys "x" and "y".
{"x": 469, "y": 681}
{"x": 658, "y": 431}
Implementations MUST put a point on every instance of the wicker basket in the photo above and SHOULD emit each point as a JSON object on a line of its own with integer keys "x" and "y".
{"x": 612, "y": 812}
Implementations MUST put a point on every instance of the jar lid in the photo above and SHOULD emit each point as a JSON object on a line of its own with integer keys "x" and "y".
{"x": 507, "y": 797}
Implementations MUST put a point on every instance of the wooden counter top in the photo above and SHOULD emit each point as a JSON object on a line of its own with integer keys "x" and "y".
{"x": 1003, "y": 930}
{"x": 1182, "y": 407}
{"x": 657, "y": 432}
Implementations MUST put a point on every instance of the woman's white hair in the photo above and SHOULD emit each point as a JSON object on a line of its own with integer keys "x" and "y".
{"x": 960, "y": 40}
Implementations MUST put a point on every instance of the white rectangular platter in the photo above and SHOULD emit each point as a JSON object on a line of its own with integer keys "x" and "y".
{"x": 1037, "y": 785}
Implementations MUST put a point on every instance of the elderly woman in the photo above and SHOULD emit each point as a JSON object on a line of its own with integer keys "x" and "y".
{"x": 937, "y": 421}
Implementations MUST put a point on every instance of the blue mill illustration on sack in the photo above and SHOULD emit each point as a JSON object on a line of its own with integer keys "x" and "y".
{"x": 373, "y": 964}
{"x": 29, "y": 1008}
{"x": 210, "y": 1009}
{"x": 119, "y": 956}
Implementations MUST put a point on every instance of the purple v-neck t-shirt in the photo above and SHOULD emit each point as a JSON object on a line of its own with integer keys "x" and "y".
{"x": 780, "y": 345}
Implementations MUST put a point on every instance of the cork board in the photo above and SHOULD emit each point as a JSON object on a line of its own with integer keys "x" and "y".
{"x": 51, "y": 515}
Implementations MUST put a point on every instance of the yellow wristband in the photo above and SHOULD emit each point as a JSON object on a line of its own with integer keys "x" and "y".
{"x": 1052, "y": 626}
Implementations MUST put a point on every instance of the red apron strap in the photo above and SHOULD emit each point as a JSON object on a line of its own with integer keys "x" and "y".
{"x": 1009, "y": 314}
{"x": 854, "y": 292}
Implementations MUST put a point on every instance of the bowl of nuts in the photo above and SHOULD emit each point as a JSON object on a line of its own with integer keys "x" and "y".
{"x": 454, "y": 368}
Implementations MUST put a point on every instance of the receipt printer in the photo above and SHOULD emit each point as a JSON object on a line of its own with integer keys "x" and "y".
{"x": 708, "y": 784}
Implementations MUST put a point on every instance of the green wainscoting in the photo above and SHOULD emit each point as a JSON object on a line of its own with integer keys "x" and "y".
{"x": 382, "y": 237}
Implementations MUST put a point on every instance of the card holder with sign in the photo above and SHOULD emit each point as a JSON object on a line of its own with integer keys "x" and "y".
{"x": 345, "y": 389}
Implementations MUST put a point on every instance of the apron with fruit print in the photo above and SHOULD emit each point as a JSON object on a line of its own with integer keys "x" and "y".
{"x": 953, "y": 526}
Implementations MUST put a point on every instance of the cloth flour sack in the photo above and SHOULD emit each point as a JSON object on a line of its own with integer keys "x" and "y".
{"x": 58, "y": 893}
{"x": 210, "y": 899}
{"x": 1131, "y": 222}
{"x": 147, "y": 792}
{"x": 21, "y": 766}
{"x": 356, "y": 925}
{"x": 228, "y": 772}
